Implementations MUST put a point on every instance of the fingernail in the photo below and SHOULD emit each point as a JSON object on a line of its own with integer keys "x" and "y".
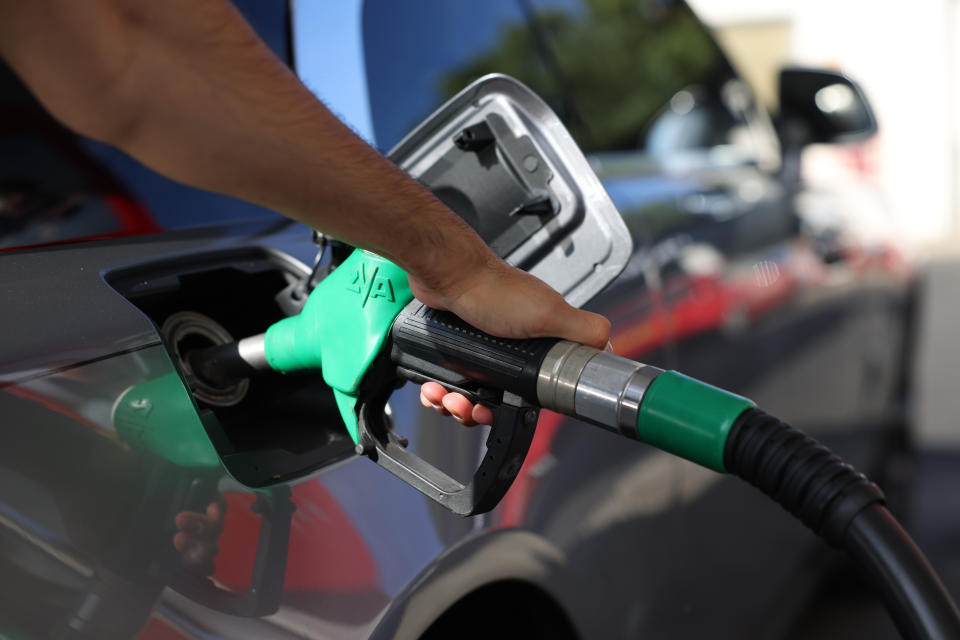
{"x": 609, "y": 347}
{"x": 428, "y": 403}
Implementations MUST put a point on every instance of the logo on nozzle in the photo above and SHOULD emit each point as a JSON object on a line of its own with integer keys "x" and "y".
{"x": 372, "y": 286}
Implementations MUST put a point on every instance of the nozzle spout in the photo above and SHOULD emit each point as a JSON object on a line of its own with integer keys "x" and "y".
{"x": 226, "y": 364}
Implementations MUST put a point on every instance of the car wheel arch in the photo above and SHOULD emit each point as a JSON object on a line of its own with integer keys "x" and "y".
{"x": 477, "y": 571}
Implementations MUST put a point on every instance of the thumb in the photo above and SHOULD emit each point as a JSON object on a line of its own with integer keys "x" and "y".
{"x": 585, "y": 327}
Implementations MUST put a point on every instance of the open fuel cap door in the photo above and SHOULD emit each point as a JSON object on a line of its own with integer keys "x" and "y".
{"x": 498, "y": 156}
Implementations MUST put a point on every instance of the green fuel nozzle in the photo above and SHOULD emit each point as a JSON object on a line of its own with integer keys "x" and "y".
{"x": 364, "y": 309}
{"x": 364, "y": 331}
{"x": 362, "y": 328}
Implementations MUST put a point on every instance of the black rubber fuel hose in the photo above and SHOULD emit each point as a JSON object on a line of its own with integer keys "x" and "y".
{"x": 844, "y": 507}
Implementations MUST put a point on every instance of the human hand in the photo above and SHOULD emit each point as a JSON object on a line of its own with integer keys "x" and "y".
{"x": 198, "y": 534}
{"x": 509, "y": 303}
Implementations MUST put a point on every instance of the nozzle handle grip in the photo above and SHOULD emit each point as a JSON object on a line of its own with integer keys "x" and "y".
{"x": 440, "y": 343}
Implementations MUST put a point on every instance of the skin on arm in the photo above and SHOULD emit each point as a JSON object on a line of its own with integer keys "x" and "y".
{"x": 187, "y": 88}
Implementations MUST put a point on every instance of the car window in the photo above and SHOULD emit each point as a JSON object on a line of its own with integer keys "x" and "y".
{"x": 56, "y": 186}
{"x": 637, "y": 76}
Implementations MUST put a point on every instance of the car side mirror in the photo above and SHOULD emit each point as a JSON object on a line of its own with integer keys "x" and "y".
{"x": 817, "y": 105}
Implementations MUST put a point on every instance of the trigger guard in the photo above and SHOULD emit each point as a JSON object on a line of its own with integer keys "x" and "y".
{"x": 513, "y": 428}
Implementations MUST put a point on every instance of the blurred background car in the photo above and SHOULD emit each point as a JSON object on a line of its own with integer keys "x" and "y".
{"x": 741, "y": 276}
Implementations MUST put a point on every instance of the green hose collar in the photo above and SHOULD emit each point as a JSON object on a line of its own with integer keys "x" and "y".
{"x": 689, "y": 418}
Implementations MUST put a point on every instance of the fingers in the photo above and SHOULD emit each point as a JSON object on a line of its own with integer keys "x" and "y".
{"x": 431, "y": 395}
{"x": 199, "y": 556}
{"x": 192, "y": 550}
{"x": 482, "y": 414}
{"x": 192, "y": 523}
{"x": 434, "y": 396}
{"x": 197, "y": 534}
{"x": 215, "y": 511}
{"x": 201, "y": 525}
{"x": 460, "y": 408}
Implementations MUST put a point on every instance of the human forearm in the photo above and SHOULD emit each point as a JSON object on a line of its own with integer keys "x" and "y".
{"x": 247, "y": 127}
{"x": 187, "y": 88}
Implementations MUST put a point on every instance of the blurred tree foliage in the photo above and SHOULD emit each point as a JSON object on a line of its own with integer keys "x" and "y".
{"x": 606, "y": 69}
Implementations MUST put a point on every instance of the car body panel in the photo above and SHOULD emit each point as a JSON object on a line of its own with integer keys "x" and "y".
{"x": 725, "y": 283}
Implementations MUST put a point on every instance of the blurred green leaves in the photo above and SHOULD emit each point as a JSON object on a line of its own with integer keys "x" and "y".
{"x": 606, "y": 68}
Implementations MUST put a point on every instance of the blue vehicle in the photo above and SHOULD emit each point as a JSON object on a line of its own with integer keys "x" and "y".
{"x": 110, "y": 276}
